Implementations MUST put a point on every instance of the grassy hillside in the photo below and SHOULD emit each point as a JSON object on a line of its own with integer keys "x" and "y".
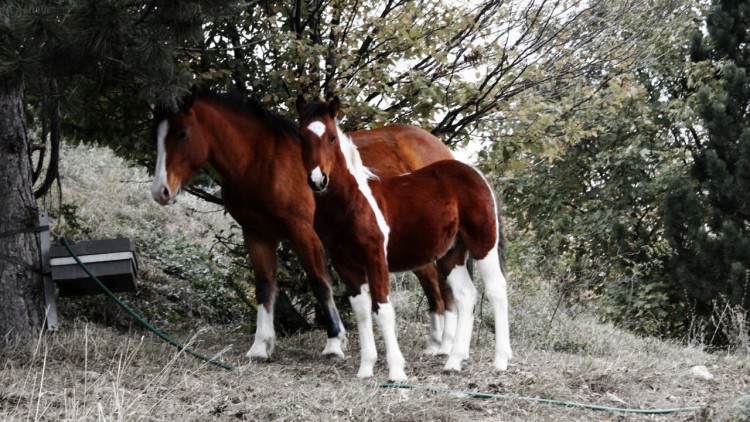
{"x": 101, "y": 366}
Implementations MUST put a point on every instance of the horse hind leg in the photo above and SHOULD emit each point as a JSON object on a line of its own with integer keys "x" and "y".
{"x": 449, "y": 317}
{"x": 431, "y": 282}
{"x": 497, "y": 293}
{"x": 464, "y": 297}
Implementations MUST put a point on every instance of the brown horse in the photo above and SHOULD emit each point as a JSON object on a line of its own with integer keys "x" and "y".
{"x": 257, "y": 156}
{"x": 445, "y": 211}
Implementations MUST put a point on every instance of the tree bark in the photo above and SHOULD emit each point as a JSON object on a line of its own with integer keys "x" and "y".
{"x": 21, "y": 282}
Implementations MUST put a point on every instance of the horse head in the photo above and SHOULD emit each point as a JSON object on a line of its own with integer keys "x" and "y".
{"x": 182, "y": 149}
{"x": 320, "y": 139}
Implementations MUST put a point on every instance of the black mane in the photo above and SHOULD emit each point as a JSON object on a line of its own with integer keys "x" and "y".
{"x": 279, "y": 124}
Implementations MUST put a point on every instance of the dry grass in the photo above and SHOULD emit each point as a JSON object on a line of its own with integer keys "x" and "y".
{"x": 90, "y": 372}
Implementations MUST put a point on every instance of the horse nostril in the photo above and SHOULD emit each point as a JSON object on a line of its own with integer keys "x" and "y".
{"x": 318, "y": 182}
{"x": 165, "y": 192}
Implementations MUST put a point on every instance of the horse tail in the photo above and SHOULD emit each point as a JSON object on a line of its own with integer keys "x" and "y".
{"x": 501, "y": 241}
{"x": 500, "y": 229}
{"x": 470, "y": 267}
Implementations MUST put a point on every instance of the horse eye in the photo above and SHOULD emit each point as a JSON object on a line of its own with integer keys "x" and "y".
{"x": 332, "y": 138}
{"x": 182, "y": 134}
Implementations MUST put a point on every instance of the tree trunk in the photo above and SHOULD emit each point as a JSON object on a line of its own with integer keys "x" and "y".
{"x": 21, "y": 291}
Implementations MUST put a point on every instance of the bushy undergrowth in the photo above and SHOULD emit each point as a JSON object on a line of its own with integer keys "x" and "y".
{"x": 185, "y": 273}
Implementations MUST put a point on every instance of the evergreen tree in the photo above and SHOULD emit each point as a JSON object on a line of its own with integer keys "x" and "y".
{"x": 21, "y": 298}
{"x": 99, "y": 66}
{"x": 707, "y": 213}
{"x": 103, "y": 62}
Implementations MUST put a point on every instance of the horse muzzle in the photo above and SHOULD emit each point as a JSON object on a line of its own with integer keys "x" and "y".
{"x": 163, "y": 195}
{"x": 317, "y": 180}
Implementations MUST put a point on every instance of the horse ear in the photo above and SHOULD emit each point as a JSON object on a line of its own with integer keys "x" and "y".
{"x": 188, "y": 99}
{"x": 300, "y": 103}
{"x": 333, "y": 107}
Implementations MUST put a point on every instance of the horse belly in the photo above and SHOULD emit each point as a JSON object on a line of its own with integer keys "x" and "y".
{"x": 422, "y": 235}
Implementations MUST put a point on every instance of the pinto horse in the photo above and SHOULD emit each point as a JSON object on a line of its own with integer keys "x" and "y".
{"x": 257, "y": 156}
{"x": 445, "y": 211}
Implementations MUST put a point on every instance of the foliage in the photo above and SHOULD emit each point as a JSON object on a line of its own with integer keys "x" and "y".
{"x": 204, "y": 272}
{"x": 70, "y": 223}
{"x": 103, "y": 62}
{"x": 581, "y": 108}
{"x": 455, "y": 68}
{"x": 590, "y": 194}
{"x": 706, "y": 214}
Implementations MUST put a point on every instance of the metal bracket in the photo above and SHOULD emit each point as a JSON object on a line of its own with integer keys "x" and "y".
{"x": 49, "y": 286}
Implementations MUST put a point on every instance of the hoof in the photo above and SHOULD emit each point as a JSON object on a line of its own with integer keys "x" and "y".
{"x": 258, "y": 359}
{"x": 444, "y": 350}
{"x": 431, "y": 351}
{"x": 452, "y": 366}
{"x": 396, "y": 378}
{"x": 364, "y": 373}
{"x": 501, "y": 364}
{"x": 334, "y": 357}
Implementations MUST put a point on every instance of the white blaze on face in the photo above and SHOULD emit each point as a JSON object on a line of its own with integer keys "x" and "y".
{"x": 317, "y": 128}
{"x": 317, "y": 176}
{"x": 160, "y": 173}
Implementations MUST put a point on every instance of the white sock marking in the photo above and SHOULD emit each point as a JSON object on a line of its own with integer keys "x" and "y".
{"x": 465, "y": 296}
{"x": 449, "y": 332}
{"x": 362, "y": 308}
{"x": 317, "y": 128}
{"x": 497, "y": 293}
{"x": 386, "y": 319}
{"x": 436, "y": 334}
{"x": 336, "y": 345}
{"x": 265, "y": 335}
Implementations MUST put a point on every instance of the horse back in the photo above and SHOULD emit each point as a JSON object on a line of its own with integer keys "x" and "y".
{"x": 399, "y": 149}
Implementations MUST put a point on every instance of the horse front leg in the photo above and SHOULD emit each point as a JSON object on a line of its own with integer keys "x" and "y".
{"x": 263, "y": 259}
{"x": 385, "y": 316}
{"x": 359, "y": 297}
{"x": 312, "y": 257}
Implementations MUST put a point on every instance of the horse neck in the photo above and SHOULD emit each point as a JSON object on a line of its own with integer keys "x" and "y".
{"x": 350, "y": 188}
{"x": 349, "y": 158}
{"x": 237, "y": 140}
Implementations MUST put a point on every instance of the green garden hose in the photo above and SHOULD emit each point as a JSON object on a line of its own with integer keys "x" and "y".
{"x": 139, "y": 318}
